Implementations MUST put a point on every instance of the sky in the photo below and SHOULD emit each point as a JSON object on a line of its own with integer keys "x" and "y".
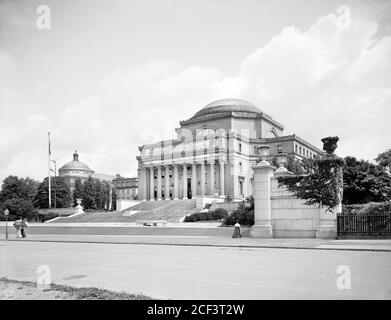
{"x": 109, "y": 76}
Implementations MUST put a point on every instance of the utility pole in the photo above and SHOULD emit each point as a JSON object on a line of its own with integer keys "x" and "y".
{"x": 50, "y": 188}
{"x": 55, "y": 183}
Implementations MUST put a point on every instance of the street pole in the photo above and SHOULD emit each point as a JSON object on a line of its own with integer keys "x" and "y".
{"x": 55, "y": 184}
{"x": 50, "y": 189}
{"x": 6, "y": 228}
{"x": 6, "y": 212}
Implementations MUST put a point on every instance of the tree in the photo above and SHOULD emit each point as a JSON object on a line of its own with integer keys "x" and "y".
{"x": 384, "y": 159}
{"x": 14, "y": 187}
{"x": 88, "y": 198}
{"x": 77, "y": 191}
{"x": 365, "y": 182}
{"x": 19, "y": 208}
{"x": 60, "y": 193}
{"x": 323, "y": 185}
{"x": 17, "y": 195}
{"x": 113, "y": 200}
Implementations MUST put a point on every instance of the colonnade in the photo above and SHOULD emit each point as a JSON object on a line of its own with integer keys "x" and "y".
{"x": 172, "y": 187}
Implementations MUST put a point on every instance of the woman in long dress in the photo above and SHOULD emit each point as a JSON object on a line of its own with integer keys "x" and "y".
{"x": 17, "y": 225}
{"x": 23, "y": 226}
{"x": 237, "y": 230}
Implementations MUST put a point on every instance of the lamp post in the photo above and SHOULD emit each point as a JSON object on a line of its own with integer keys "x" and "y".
{"x": 6, "y": 213}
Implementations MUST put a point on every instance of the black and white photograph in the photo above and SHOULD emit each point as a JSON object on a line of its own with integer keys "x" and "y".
{"x": 209, "y": 152}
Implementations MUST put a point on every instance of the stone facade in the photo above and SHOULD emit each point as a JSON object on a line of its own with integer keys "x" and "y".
{"x": 126, "y": 188}
{"x": 214, "y": 152}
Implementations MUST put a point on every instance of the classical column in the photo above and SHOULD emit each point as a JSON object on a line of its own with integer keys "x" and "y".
{"x": 167, "y": 180}
{"x": 175, "y": 182}
{"x": 212, "y": 178}
{"x": 194, "y": 180}
{"x": 151, "y": 187}
{"x": 222, "y": 180}
{"x": 202, "y": 178}
{"x": 159, "y": 183}
{"x": 145, "y": 184}
{"x": 184, "y": 178}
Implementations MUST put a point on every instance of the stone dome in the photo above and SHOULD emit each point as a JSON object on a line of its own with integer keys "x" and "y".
{"x": 75, "y": 165}
{"x": 227, "y": 105}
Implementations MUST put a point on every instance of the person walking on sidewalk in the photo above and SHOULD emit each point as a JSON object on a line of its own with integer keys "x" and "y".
{"x": 18, "y": 225}
{"x": 236, "y": 230}
{"x": 23, "y": 226}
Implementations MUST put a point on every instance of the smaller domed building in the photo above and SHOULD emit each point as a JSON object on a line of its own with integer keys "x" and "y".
{"x": 77, "y": 169}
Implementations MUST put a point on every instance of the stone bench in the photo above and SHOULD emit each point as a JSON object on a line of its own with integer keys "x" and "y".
{"x": 152, "y": 223}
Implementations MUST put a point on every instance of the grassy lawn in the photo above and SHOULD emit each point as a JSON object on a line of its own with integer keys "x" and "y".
{"x": 25, "y": 290}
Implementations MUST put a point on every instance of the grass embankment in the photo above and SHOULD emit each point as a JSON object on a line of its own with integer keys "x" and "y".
{"x": 14, "y": 289}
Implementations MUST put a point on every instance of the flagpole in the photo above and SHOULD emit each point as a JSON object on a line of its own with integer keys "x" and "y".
{"x": 49, "y": 180}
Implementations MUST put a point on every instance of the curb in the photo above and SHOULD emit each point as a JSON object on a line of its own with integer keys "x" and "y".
{"x": 207, "y": 245}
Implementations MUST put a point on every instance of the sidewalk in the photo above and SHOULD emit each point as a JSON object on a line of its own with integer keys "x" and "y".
{"x": 208, "y": 241}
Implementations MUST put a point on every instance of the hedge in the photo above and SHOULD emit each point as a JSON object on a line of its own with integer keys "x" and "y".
{"x": 218, "y": 214}
{"x": 372, "y": 208}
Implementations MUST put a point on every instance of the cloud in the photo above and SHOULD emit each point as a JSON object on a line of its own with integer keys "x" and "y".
{"x": 331, "y": 79}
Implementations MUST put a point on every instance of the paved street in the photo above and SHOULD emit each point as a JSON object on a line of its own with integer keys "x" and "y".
{"x": 196, "y": 272}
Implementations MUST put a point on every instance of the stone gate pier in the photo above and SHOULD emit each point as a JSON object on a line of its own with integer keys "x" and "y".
{"x": 280, "y": 214}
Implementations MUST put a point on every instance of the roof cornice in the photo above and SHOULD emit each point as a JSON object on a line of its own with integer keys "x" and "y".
{"x": 232, "y": 114}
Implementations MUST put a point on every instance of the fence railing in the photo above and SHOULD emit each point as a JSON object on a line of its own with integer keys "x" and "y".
{"x": 366, "y": 226}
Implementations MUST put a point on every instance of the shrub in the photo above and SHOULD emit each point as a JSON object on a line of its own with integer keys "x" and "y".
{"x": 372, "y": 208}
{"x": 244, "y": 217}
{"x": 219, "y": 213}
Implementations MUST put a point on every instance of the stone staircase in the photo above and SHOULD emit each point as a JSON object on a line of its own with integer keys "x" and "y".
{"x": 171, "y": 211}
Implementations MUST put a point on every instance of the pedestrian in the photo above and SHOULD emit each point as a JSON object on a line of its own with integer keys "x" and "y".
{"x": 17, "y": 225}
{"x": 237, "y": 230}
{"x": 23, "y": 226}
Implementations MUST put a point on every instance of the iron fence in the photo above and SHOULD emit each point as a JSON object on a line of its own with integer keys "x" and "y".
{"x": 364, "y": 226}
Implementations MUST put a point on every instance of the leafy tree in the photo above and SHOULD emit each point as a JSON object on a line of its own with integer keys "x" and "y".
{"x": 88, "y": 198}
{"x": 14, "y": 187}
{"x": 323, "y": 184}
{"x": 95, "y": 194}
{"x": 384, "y": 159}
{"x": 19, "y": 208}
{"x": 17, "y": 195}
{"x": 60, "y": 193}
{"x": 365, "y": 182}
{"x": 114, "y": 200}
{"x": 77, "y": 191}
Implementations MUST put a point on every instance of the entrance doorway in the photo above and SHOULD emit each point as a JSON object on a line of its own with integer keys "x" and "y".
{"x": 189, "y": 191}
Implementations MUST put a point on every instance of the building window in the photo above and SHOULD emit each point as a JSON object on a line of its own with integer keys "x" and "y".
{"x": 240, "y": 148}
{"x": 296, "y": 148}
{"x": 279, "y": 148}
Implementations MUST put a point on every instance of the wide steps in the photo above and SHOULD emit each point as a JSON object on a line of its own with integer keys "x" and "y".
{"x": 171, "y": 211}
